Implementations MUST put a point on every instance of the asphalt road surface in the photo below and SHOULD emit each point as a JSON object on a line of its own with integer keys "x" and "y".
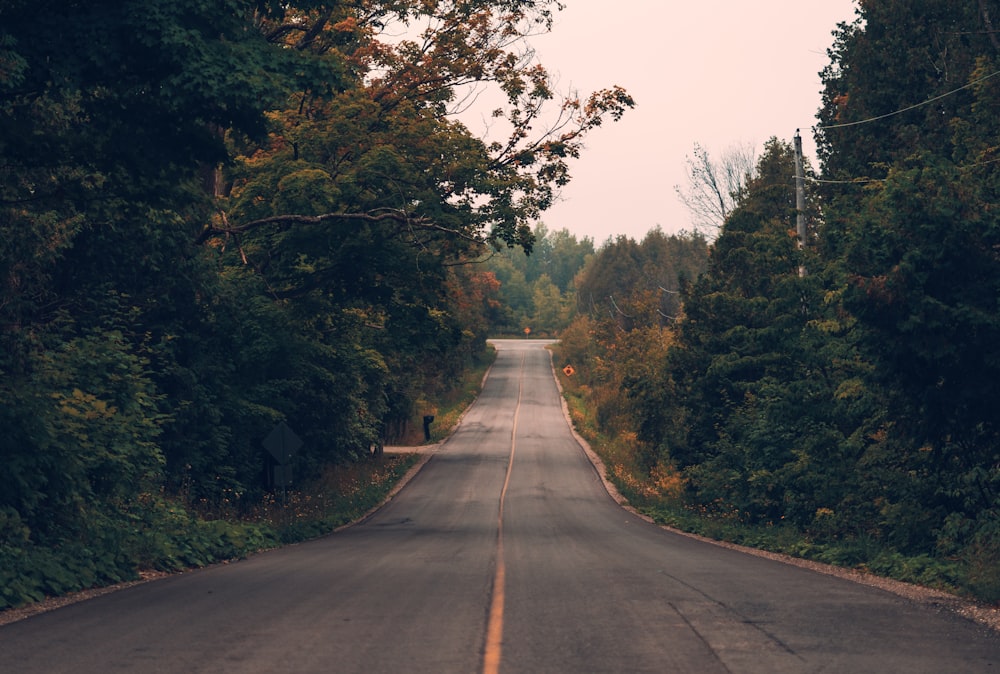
{"x": 504, "y": 554}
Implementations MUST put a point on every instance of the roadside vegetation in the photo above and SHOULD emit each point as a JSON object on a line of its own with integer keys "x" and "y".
{"x": 170, "y": 533}
{"x": 447, "y": 407}
{"x": 660, "y": 493}
{"x": 220, "y": 217}
{"x": 271, "y": 215}
{"x": 180, "y": 531}
{"x": 834, "y": 400}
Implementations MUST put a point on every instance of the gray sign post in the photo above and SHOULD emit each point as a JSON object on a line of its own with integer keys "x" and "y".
{"x": 282, "y": 444}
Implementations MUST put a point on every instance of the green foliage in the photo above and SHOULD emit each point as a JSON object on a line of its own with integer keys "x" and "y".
{"x": 217, "y": 216}
{"x": 863, "y": 552}
{"x": 846, "y": 415}
{"x": 915, "y": 256}
{"x": 617, "y": 354}
{"x": 537, "y": 291}
{"x": 644, "y": 277}
{"x": 895, "y": 56}
{"x": 154, "y": 533}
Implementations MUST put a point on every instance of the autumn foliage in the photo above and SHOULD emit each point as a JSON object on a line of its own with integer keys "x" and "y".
{"x": 217, "y": 216}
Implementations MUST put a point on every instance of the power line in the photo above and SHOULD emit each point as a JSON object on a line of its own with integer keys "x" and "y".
{"x": 861, "y": 181}
{"x": 966, "y": 167}
{"x": 911, "y": 107}
{"x": 615, "y": 304}
{"x": 852, "y": 181}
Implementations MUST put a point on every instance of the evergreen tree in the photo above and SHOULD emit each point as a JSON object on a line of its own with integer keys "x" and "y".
{"x": 915, "y": 252}
{"x": 755, "y": 370}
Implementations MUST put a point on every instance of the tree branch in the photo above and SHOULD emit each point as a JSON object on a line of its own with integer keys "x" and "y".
{"x": 316, "y": 29}
{"x": 211, "y": 231}
{"x": 406, "y": 220}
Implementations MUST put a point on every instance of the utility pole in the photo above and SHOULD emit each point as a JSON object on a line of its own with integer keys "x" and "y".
{"x": 800, "y": 198}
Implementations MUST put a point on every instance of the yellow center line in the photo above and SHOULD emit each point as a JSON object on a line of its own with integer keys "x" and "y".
{"x": 494, "y": 626}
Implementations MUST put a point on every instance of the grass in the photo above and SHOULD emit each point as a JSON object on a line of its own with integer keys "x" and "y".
{"x": 341, "y": 495}
{"x": 449, "y": 407}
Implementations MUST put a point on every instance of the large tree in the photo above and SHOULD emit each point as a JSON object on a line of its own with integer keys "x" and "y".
{"x": 909, "y": 101}
{"x": 215, "y": 216}
{"x": 108, "y": 113}
{"x": 638, "y": 283}
{"x": 363, "y": 197}
{"x": 896, "y": 80}
{"x": 760, "y": 426}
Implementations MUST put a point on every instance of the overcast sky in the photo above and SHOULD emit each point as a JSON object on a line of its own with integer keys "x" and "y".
{"x": 714, "y": 72}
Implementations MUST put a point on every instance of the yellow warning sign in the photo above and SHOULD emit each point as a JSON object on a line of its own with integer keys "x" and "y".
{"x": 569, "y": 371}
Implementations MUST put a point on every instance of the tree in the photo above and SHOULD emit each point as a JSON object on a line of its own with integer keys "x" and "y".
{"x": 756, "y": 377}
{"x": 515, "y": 292}
{"x": 246, "y": 213}
{"x": 895, "y": 82}
{"x": 380, "y": 191}
{"x": 647, "y": 275}
{"x": 569, "y": 256}
{"x": 924, "y": 287}
{"x": 551, "y": 309}
{"x": 486, "y": 193}
{"x": 527, "y": 282}
{"x": 628, "y": 308}
{"x": 905, "y": 102}
{"x": 108, "y": 114}
{"x": 715, "y": 188}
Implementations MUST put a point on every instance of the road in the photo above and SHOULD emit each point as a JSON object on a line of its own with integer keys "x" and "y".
{"x": 504, "y": 554}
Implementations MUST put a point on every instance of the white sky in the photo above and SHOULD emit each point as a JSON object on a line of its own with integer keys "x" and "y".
{"x": 715, "y": 72}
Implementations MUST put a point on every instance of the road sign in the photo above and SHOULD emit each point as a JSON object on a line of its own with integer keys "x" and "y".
{"x": 281, "y": 476}
{"x": 282, "y": 443}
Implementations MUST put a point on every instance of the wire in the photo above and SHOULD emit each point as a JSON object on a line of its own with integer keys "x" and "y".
{"x": 615, "y": 304}
{"x": 853, "y": 181}
{"x": 912, "y": 107}
{"x": 966, "y": 167}
{"x": 861, "y": 181}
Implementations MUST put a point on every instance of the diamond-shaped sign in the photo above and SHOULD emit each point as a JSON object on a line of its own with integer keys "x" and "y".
{"x": 282, "y": 443}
